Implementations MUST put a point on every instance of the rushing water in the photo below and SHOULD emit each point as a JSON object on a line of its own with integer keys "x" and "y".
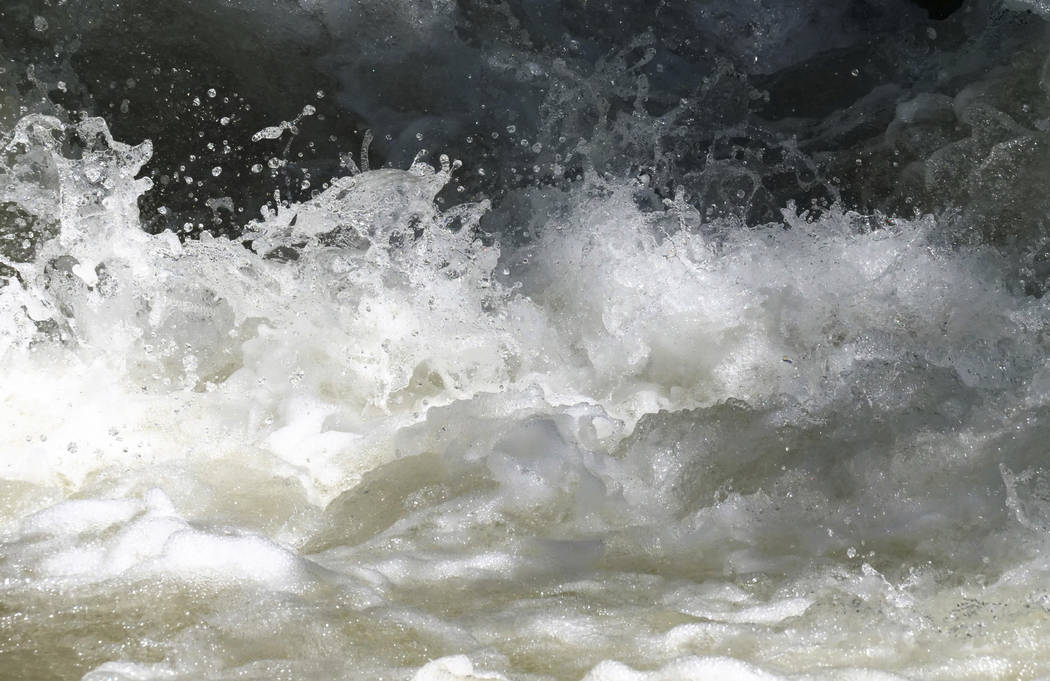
{"x": 719, "y": 357}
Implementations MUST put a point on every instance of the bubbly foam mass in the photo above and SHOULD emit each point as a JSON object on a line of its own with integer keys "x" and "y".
{"x": 359, "y": 441}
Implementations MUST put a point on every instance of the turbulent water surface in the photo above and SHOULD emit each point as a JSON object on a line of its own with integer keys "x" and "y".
{"x": 721, "y": 352}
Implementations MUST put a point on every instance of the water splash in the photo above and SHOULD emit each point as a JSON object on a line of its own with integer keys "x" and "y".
{"x": 644, "y": 436}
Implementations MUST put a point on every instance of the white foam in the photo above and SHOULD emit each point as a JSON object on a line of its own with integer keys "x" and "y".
{"x": 78, "y": 516}
{"x": 85, "y": 541}
{"x": 686, "y": 669}
{"x": 452, "y": 668}
{"x": 130, "y": 671}
{"x": 732, "y": 605}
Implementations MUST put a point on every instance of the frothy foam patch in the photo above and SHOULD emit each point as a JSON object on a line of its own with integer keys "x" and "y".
{"x": 92, "y": 540}
{"x": 454, "y": 668}
{"x": 129, "y": 671}
{"x": 682, "y": 670}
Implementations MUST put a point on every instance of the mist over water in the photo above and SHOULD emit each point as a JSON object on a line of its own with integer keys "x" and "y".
{"x": 459, "y": 340}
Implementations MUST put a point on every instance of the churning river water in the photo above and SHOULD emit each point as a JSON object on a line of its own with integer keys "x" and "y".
{"x": 722, "y": 354}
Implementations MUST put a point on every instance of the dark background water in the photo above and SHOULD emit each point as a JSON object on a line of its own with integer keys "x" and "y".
{"x": 745, "y": 105}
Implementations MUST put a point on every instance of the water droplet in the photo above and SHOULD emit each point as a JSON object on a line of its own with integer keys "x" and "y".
{"x": 320, "y": 94}
{"x": 271, "y": 133}
{"x": 257, "y": 168}
{"x": 216, "y": 171}
{"x": 855, "y": 72}
{"x": 212, "y": 92}
{"x": 512, "y": 129}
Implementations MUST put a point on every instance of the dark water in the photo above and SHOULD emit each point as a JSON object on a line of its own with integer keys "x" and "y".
{"x": 753, "y": 77}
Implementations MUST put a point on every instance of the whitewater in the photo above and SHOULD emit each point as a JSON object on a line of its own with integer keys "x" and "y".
{"x": 368, "y": 436}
